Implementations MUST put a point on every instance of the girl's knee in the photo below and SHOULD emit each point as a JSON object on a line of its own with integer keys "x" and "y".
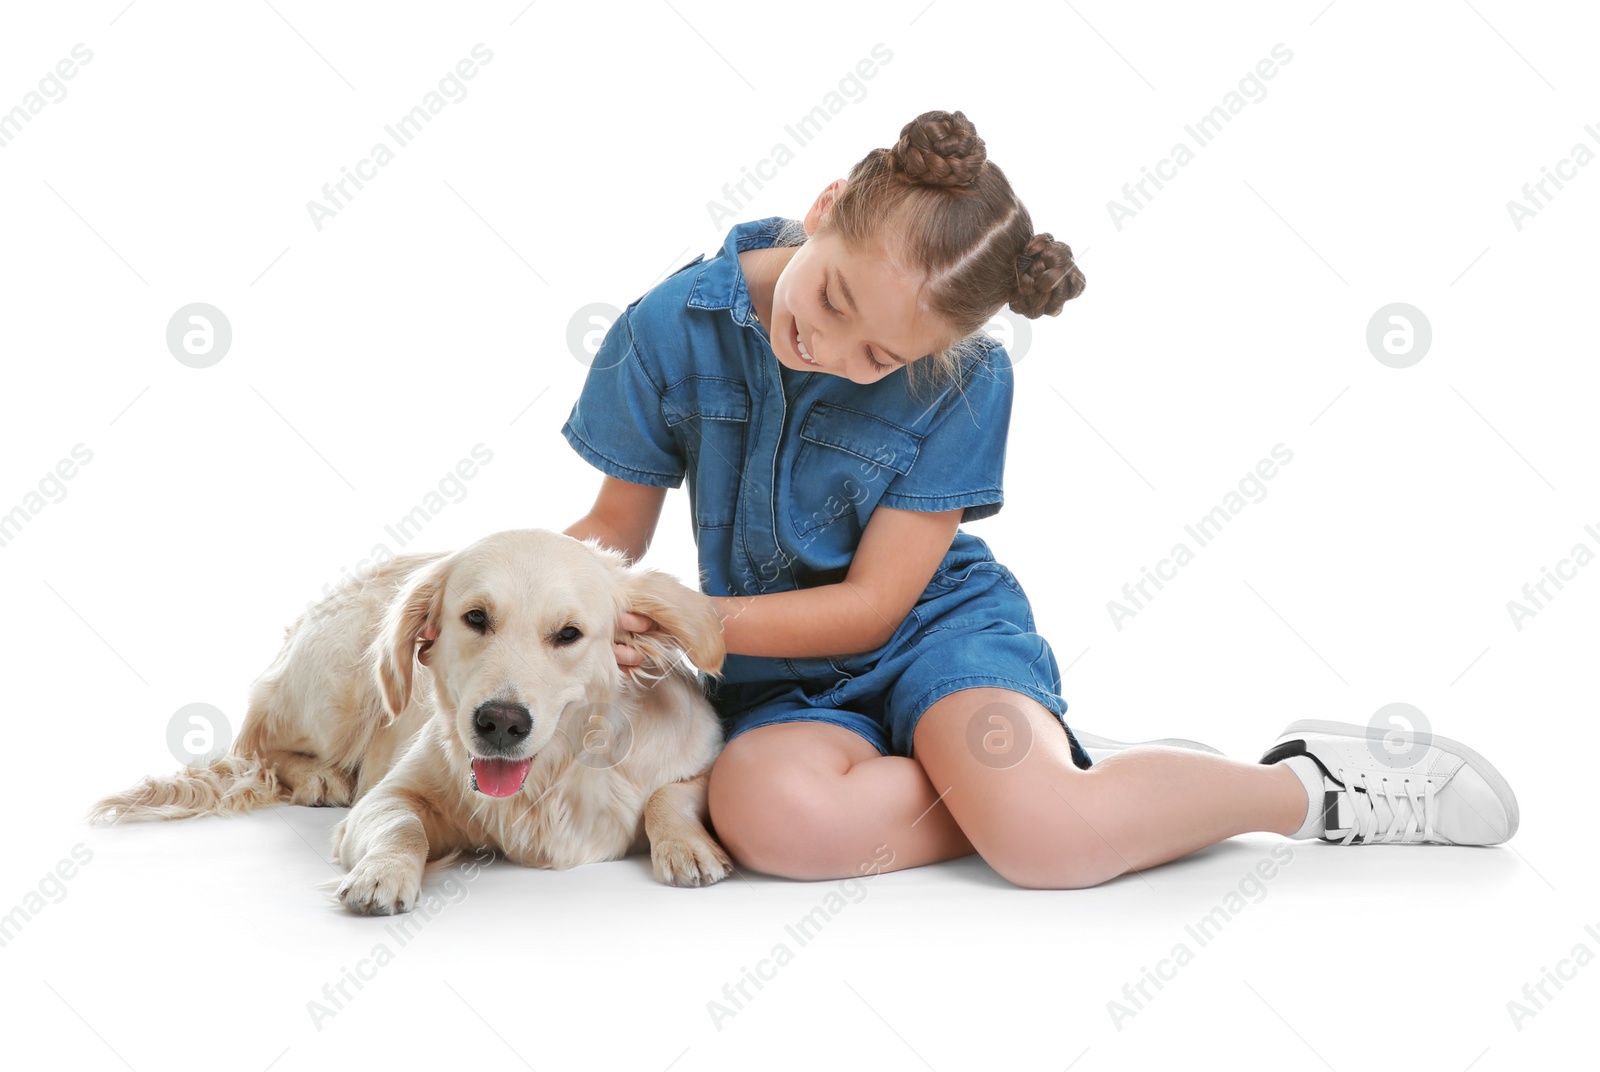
{"x": 1061, "y": 852}
{"x": 772, "y": 814}
{"x": 1026, "y": 817}
{"x": 1079, "y": 867}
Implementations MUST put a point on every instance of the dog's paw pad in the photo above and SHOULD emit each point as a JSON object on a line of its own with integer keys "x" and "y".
{"x": 689, "y": 861}
{"x": 380, "y": 888}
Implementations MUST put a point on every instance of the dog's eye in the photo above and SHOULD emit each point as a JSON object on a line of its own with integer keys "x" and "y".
{"x": 568, "y": 635}
{"x": 476, "y": 620}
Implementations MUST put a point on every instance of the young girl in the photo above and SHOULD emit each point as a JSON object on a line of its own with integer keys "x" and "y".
{"x": 831, "y": 396}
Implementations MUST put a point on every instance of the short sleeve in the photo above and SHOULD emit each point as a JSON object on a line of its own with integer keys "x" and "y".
{"x": 617, "y": 424}
{"x": 962, "y": 457}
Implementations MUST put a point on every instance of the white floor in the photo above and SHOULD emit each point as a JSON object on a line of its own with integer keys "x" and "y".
{"x": 214, "y": 943}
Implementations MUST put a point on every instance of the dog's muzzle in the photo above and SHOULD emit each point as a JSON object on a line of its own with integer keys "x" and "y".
{"x": 500, "y": 727}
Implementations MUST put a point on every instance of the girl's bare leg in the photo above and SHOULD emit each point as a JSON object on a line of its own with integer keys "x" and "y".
{"x": 809, "y": 800}
{"x": 1043, "y": 822}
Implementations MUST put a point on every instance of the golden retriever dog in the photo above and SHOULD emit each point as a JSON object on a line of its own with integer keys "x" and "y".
{"x": 520, "y": 734}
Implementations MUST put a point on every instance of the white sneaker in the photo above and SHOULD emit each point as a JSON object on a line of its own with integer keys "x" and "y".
{"x": 1100, "y": 747}
{"x": 1439, "y": 791}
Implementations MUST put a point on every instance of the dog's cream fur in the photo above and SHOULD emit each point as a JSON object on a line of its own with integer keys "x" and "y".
{"x": 341, "y": 717}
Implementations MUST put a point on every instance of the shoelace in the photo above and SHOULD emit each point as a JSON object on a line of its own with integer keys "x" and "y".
{"x": 1364, "y": 812}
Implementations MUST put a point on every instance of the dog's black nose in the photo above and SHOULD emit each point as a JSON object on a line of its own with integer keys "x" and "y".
{"x": 501, "y": 726}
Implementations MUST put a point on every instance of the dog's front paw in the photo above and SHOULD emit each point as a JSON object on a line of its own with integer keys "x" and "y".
{"x": 692, "y": 860}
{"x": 381, "y": 886}
{"x": 323, "y": 787}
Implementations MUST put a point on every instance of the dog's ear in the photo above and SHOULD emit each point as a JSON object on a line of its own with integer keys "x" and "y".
{"x": 415, "y": 608}
{"x": 688, "y": 617}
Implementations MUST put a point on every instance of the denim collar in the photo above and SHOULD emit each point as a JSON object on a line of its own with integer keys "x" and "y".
{"x": 720, "y": 282}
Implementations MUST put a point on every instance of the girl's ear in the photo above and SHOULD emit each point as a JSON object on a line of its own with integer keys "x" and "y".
{"x": 820, "y": 205}
{"x": 687, "y": 618}
{"x": 415, "y": 609}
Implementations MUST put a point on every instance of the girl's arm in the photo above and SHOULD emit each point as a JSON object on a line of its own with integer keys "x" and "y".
{"x": 896, "y": 558}
{"x": 624, "y": 516}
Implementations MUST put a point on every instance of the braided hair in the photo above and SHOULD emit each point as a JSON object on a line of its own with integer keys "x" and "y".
{"x": 945, "y": 212}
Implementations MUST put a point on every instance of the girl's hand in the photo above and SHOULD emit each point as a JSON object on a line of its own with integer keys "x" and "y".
{"x": 628, "y": 656}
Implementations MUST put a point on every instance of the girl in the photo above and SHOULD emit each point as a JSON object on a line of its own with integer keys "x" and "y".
{"x": 829, "y": 392}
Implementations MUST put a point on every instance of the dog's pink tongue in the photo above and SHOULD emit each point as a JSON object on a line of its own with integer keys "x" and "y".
{"x": 500, "y": 777}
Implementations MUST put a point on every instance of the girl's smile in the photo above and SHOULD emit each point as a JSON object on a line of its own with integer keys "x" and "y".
{"x": 797, "y": 345}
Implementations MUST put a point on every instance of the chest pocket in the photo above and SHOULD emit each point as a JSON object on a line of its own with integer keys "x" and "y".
{"x": 845, "y": 460}
{"x": 709, "y": 415}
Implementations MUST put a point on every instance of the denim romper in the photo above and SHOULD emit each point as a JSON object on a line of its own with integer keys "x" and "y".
{"x": 784, "y": 469}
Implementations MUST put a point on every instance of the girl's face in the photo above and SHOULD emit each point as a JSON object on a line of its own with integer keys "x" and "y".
{"x": 852, "y": 313}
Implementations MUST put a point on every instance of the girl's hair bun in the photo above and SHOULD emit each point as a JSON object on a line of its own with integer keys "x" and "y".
{"x": 1047, "y": 277}
{"x": 940, "y": 149}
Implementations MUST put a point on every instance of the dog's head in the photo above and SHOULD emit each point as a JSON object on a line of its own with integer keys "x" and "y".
{"x": 517, "y": 630}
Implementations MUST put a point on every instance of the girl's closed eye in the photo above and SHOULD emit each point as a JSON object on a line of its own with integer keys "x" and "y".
{"x": 822, "y": 294}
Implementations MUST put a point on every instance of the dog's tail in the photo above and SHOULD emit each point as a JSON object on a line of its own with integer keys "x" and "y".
{"x": 227, "y": 786}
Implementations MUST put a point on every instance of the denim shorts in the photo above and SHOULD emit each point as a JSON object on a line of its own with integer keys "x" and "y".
{"x": 973, "y": 626}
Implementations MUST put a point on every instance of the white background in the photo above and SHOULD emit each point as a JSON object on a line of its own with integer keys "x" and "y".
{"x": 432, "y": 313}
